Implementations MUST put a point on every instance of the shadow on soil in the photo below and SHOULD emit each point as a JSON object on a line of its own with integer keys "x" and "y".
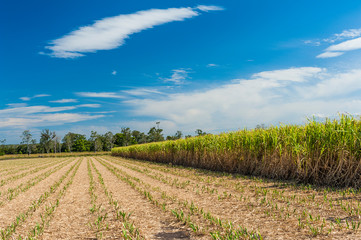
{"x": 172, "y": 233}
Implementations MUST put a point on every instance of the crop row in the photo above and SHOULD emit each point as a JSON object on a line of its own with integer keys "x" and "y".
{"x": 14, "y": 166}
{"x": 200, "y": 220}
{"x": 324, "y": 153}
{"x": 26, "y": 173}
{"x": 12, "y": 193}
{"x": 308, "y": 209}
{"x": 7, "y": 232}
{"x": 128, "y": 230}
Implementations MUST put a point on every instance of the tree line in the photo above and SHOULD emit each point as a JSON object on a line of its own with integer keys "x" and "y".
{"x": 50, "y": 142}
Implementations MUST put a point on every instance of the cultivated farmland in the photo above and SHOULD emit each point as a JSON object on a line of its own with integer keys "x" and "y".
{"x": 105, "y": 197}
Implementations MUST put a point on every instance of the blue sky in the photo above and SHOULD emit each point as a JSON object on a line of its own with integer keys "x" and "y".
{"x": 215, "y": 65}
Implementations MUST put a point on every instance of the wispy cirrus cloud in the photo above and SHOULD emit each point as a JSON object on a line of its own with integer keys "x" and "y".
{"x": 207, "y": 8}
{"x": 345, "y": 34}
{"x": 25, "y": 98}
{"x": 178, "y": 77}
{"x": 339, "y": 49}
{"x": 21, "y": 116}
{"x": 328, "y": 54}
{"x": 335, "y": 50}
{"x": 292, "y": 74}
{"x": 142, "y": 92}
{"x": 70, "y": 100}
{"x": 89, "y": 105}
{"x": 111, "y": 32}
{"x": 33, "y": 109}
{"x": 43, "y": 120}
{"x": 35, "y": 96}
{"x": 100, "y": 95}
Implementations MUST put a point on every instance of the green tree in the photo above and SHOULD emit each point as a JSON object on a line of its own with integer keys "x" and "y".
{"x": 109, "y": 140}
{"x": 177, "y": 135}
{"x": 199, "y": 132}
{"x": 155, "y": 135}
{"x": 139, "y": 137}
{"x": 26, "y": 139}
{"x": 46, "y": 139}
{"x": 56, "y": 143}
{"x": 96, "y": 140}
{"x": 34, "y": 146}
{"x": 81, "y": 144}
{"x": 68, "y": 140}
{"x": 3, "y": 148}
{"x": 118, "y": 139}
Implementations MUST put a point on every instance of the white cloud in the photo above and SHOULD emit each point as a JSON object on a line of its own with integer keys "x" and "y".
{"x": 46, "y": 120}
{"x": 311, "y": 42}
{"x": 339, "y": 49}
{"x": 35, "y": 96}
{"x": 99, "y": 94}
{"x": 41, "y": 95}
{"x": 345, "y": 34}
{"x": 109, "y": 33}
{"x": 89, "y": 105}
{"x": 32, "y": 109}
{"x": 350, "y": 33}
{"x": 292, "y": 74}
{"x": 114, "y": 73}
{"x": 206, "y": 8}
{"x": 212, "y": 65}
{"x": 329, "y": 54}
{"x": 32, "y": 116}
{"x": 15, "y": 105}
{"x": 142, "y": 92}
{"x": 333, "y": 85}
{"x": 348, "y": 45}
{"x": 25, "y": 98}
{"x": 64, "y": 101}
{"x": 287, "y": 95}
{"x": 178, "y": 77}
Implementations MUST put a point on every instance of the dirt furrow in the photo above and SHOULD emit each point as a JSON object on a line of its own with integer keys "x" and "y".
{"x": 238, "y": 212}
{"x": 282, "y": 197}
{"x": 17, "y": 166}
{"x": 22, "y": 203}
{"x": 20, "y": 170}
{"x": 71, "y": 219}
{"x": 153, "y": 223}
{"x": 106, "y": 219}
{"x": 4, "y": 190}
{"x": 25, "y": 175}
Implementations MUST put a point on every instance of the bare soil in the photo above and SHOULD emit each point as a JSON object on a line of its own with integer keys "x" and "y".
{"x": 104, "y": 197}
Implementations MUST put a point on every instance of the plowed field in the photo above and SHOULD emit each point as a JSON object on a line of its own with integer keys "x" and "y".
{"x": 104, "y": 197}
